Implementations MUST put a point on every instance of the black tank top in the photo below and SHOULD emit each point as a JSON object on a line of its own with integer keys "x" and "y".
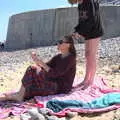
{"x": 89, "y": 23}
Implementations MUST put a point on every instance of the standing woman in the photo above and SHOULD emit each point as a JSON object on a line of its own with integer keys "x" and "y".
{"x": 90, "y": 28}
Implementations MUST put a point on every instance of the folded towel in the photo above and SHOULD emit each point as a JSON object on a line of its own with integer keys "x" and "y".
{"x": 102, "y": 102}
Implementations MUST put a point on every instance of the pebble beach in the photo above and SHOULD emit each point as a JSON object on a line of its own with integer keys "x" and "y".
{"x": 13, "y": 65}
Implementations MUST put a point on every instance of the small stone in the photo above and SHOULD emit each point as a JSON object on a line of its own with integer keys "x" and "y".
{"x": 1, "y": 84}
{"x": 35, "y": 115}
{"x": 72, "y": 114}
{"x": 25, "y": 116}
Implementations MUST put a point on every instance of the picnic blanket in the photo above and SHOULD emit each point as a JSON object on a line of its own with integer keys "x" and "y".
{"x": 8, "y": 108}
{"x": 96, "y": 98}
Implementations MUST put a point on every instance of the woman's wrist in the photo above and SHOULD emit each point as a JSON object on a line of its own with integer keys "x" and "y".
{"x": 46, "y": 67}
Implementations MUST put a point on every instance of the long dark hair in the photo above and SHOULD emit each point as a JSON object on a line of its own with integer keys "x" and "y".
{"x": 69, "y": 39}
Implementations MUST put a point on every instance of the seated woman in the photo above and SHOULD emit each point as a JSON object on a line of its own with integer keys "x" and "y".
{"x": 54, "y": 77}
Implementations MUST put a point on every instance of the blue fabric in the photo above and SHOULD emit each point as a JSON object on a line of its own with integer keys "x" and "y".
{"x": 102, "y": 102}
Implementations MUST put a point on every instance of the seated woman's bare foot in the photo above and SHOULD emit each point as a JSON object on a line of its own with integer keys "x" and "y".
{"x": 2, "y": 97}
{"x": 14, "y": 96}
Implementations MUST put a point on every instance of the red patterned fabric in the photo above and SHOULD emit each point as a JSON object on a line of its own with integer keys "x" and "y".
{"x": 36, "y": 85}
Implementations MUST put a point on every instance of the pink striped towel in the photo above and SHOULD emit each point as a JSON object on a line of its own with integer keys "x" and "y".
{"x": 98, "y": 89}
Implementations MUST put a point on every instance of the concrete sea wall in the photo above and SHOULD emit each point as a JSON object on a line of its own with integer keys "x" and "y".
{"x": 45, "y": 27}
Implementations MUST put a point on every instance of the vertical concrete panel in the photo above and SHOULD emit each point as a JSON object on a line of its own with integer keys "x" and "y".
{"x": 10, "y": 33}
{"x": 65, "y": 21}
{"x": 17, "y": 37}
{"x": 43, "y": 28}
{"x": 111, "y": 21}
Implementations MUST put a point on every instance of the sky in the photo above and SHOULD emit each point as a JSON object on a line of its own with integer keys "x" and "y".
{"x": 12, "y": 7}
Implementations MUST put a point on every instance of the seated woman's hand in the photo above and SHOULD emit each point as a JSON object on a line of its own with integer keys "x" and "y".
{"x": 38, "y": 68}
{"x": 34, "y": 56}
{"x": 36, "y": 60}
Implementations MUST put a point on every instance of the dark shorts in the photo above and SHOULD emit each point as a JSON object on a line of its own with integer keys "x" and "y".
{"x": 36, "y": 85}
{"x": 89, "y": 24}
{"x": 90, "y": 32}
{"x": 93, "y": 35}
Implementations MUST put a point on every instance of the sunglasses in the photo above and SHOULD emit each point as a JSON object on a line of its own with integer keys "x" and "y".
{"x": 61, "y": 42}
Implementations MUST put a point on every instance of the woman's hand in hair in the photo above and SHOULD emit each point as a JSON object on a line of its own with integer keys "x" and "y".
{"x": 76, "y": 36}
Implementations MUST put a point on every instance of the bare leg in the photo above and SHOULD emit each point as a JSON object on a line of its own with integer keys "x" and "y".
{"x": 91, "y": 48}
{"x": 18, "y": 96}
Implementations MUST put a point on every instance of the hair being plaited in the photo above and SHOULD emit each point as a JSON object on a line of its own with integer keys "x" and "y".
{"x": 69, "y": 39}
